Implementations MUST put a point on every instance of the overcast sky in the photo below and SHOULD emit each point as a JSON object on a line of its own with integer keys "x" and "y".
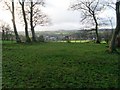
{"x": 61, "y": 17}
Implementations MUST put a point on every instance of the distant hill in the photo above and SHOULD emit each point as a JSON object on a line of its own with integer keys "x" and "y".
{"x": 64, "y": 32}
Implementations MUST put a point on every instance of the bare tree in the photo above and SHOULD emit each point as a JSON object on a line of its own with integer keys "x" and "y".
{"x": 111, "y": 24}
{"x": 2, "y": 30}
{"x": 90, "y": 9}
{"x": 31, "y": 21}
{"x": 33, "y": 12}
{"x": 12, "y": 10}
{"x": 112, "y": 46}
{"x": 36, "y": 16}
{"x": 6, "y": 31}
{"x": 110, "y": 4}
{"x": 22, "y": 3}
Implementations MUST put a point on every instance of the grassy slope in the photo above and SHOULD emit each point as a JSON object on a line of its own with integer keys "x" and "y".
{"x": 59, "y": 65}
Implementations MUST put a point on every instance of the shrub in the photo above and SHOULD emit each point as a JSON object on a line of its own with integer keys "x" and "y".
{"x": 40, "y": 38}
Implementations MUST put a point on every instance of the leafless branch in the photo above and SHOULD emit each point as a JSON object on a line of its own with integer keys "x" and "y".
{"x": 8, "y": 6}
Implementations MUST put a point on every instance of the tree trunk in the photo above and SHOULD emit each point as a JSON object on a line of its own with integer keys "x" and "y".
{"x": 14, "y": 24}
{"x": 112, "y": 46}
{"x": 3, "y": 34}
{"x": 26, "y": 24}
{"x": 31, "y": 23}
{"x": 96, "y": 29}
{"x": 6, "y": 33}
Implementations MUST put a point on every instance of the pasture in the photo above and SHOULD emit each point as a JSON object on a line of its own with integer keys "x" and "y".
{"x": 59, "y": 65}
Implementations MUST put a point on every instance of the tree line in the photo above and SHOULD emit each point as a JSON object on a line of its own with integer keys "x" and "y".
{"x": 31, "y": 16}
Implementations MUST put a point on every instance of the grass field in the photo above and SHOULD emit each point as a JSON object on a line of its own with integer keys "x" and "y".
{"x": 59, "y": 65}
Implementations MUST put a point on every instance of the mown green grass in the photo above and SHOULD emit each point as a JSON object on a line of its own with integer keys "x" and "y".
{"x": 59, "y": 65}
